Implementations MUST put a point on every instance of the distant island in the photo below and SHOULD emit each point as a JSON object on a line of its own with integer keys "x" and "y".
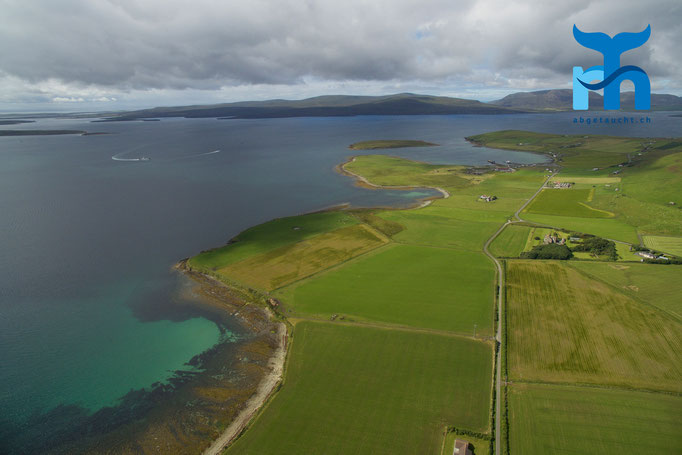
{"x": 389, "y": 144}
{"x": 47, "y": 132}
{"x": 15, "y": 122}
{"x": 39, "y": 132}
{"x": 398, "y": 104}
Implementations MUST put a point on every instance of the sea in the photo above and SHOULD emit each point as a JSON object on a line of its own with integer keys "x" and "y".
{"x": 90, "y": 227}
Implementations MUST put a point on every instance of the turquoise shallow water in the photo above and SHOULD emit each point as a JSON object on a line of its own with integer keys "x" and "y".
{"x": 88, "y": 306}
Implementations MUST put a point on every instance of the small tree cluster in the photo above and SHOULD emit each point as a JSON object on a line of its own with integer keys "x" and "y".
{"x": 598, "y": 247}
{"x": 548, "y": 251}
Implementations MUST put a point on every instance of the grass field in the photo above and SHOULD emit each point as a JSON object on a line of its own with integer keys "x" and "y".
{"x": 511, "y": 242}
{"x": 393, "y": 171}
{"x": 293, "y": 262}
{"x": 565, "y": 327}
{"x": 410, "y": 285}
{"x": 372, "y": 391}
{"x": 670, "y": 245}
{"x": 579, "y": 420}
{"x": 438, "y": 226}
{"x": 566, "y": 202}
{"x": 656, "y": 285}
{"x": 271, "y": 235}
{"x": 610, "y": 228}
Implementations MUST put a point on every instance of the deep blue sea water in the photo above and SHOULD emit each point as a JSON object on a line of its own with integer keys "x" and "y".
{"x": 87, "y": 297}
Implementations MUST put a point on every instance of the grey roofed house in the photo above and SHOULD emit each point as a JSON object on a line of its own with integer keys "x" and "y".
{"x": 461, "y": 447}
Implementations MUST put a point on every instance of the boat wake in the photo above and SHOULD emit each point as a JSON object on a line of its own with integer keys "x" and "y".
{"x": 193, "y": 156}
{"x": 118, "y": 157}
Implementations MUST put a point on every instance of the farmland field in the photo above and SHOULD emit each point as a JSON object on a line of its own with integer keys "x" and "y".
{"x": 511, "y": 242}
{"x": 289, "y": 263}
{"x": 578, "y": 420}
{"x": 566, "y": 202}
{"x": 656, "y": 285}
{"x": 419, "y": 286}
{"x": 565, "y": 327}
{"x": 366, "y": 391}
{"x": 436, "y": 226}
{"x": 610, "y": 228}
{"x": 671, "y": 245}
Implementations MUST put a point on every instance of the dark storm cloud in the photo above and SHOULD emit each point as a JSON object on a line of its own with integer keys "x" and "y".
{"x": 208, "y": 44}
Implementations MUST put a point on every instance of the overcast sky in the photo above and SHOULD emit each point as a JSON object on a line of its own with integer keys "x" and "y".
{"x": 113, "y": 54}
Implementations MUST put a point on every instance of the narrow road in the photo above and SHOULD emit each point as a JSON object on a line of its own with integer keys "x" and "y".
{"x": 500, "y": 302}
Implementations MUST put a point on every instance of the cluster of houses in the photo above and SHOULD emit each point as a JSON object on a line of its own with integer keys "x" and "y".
{"x": 554, "y": 239}
{"x": 558, "y": 185}
{"x": 487, "y": 198}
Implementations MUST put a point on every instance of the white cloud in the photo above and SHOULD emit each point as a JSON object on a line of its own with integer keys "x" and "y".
{"x": 168, "y": 51}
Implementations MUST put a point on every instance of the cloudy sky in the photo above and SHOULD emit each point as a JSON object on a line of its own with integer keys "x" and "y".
{"x": 120, "y": 54}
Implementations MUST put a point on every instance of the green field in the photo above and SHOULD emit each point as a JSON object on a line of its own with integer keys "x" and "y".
{"x": 416, "y": 286}
{"x": 608, "y": 228}
{"x": 511, "y": 241}
{"x": 565, "y": 327}
{"x": 671, "y": 245}
{"x": 656, "y": 285}
{"x": 271, "y": 235}
{"x": 389, "y": 144}
{"x": 293, "y": 262}
{"x": 580, "y": 420}
{"x": 372, "y": 391}
{"x": 443, "y": 227}
{"x": 566, "y": 202}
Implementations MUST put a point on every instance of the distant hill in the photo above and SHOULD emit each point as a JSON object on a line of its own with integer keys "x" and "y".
{"x": 326, "y": 106}
{"x": 562, "y": 100}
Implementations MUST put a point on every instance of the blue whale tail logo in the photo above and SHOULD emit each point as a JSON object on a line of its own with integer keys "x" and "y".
{"x": 612, "y": 74}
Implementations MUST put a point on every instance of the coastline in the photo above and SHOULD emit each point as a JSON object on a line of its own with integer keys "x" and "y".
{"x": 274, "y": 374}
{"x": 365, "y": 183}
{"x": 265, "y": 391}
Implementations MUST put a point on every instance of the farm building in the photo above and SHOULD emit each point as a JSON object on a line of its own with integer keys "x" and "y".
{"x": 554, "y": 239}
{"x": 561, "y": 185}
{"x": 461, "y": 447}
{"x": 487, "y": 198}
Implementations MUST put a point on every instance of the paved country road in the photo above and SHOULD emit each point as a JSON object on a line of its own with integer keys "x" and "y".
{"x": 500, "y": 297}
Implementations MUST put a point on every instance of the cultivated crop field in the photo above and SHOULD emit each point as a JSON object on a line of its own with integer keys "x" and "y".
{"x": 443, "y": 227}
{"x": 292, "y": 262}
{"x": 411, "y": 285}
{"x": 511, "y": 242}
{"x": 366, "y": 391}
{"x": 565, "y": 327}
{"x": 566, "y": 202}
{"x": 656, "y": 285}
{"x": 579, "y": 420}
{"x": 671, "y": 245}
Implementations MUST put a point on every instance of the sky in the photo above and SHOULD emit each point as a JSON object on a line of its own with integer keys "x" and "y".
{"x": 99, "y": 55}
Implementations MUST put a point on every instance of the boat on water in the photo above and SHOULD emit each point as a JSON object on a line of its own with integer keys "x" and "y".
{"x": 145, "y": 158}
